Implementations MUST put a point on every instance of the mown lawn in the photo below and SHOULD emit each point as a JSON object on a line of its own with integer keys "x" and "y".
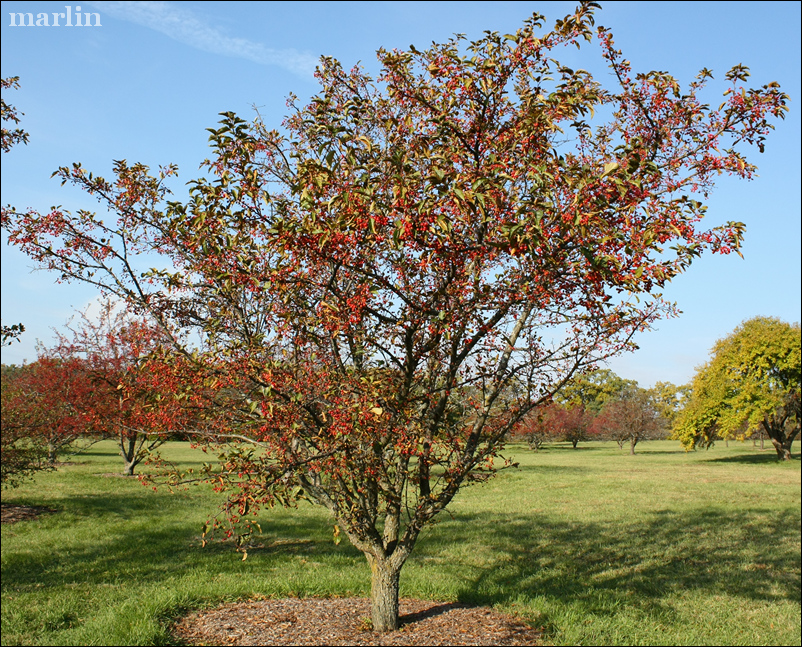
{"x": 593, "y": 545}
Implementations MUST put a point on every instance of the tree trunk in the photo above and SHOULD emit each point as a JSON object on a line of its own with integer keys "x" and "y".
{"x": 129, "y": 455}
{"x": 782, "y": 442}
{"x": 574, "y": 443}
{"x": 632, "y": 444}
{"x": 783, "y": 452}
{"x": 383, "y": 594}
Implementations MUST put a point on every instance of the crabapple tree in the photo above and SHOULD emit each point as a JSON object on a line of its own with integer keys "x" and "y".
{"x": 384, "y": 288}
{"x": 555, "y": 421}
{"x": 50, "y": 397}
{"x": 21, "y": 452}
{"x": 127, "y": 383}
{"x": 631, "y": 418}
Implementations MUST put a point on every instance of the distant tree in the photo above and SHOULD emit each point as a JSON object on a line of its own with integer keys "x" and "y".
{"x": 130, "y": 385}
{"x": 571, "y": 424}
{"x": 536, "y": 428}
{"x": 669, "y": 399}
{"x": 49, "y": 399}
{"x": 104, "y": 378}
{"x": 592, "y": 390}
{"x": 631, "y": 419}
{"x": 21, "y": 454}
{"x": 479, "y": 219}
{"x": 750, "y": 383}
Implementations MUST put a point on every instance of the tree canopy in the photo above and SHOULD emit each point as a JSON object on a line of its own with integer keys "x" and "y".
{"x": 380, "y": 291}
{"x": 594, "y": 389}
{"x": 751, "y": 381}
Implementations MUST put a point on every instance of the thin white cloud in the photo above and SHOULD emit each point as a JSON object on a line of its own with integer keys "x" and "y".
{"x": 182, "y": 25}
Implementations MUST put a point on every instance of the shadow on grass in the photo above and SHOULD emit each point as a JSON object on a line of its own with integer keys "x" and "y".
{"x": 589, "y": 448}
{"x": 767, "y": 456}
{"x": 134, "y": 542}
{"x": 600, "y": 567}
{"x": 583, "y": 448}
{"x": 645, "y": 449}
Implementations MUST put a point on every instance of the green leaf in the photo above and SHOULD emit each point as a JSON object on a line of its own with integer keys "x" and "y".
{"x": 609, "y": 168}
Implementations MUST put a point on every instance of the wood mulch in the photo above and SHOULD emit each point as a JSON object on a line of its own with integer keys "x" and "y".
{"x": 346, "y": 621}
{"x": 10, "y": 513}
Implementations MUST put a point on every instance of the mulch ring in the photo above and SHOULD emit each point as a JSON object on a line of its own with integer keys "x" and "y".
{"x": 11, "y": 513}
{"x": 346, "y": 621}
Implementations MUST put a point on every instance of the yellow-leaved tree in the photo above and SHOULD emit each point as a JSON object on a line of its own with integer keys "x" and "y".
{"x": 752, "y": 381}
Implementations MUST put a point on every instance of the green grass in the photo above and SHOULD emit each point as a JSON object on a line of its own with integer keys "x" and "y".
{"x": 593, "y": 545}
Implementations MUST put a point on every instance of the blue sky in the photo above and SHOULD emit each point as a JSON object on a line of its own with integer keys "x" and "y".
{"x": 146, "y": 84}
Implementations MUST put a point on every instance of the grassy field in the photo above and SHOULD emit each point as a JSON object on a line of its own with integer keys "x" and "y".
{"x": 593, "y": 545}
